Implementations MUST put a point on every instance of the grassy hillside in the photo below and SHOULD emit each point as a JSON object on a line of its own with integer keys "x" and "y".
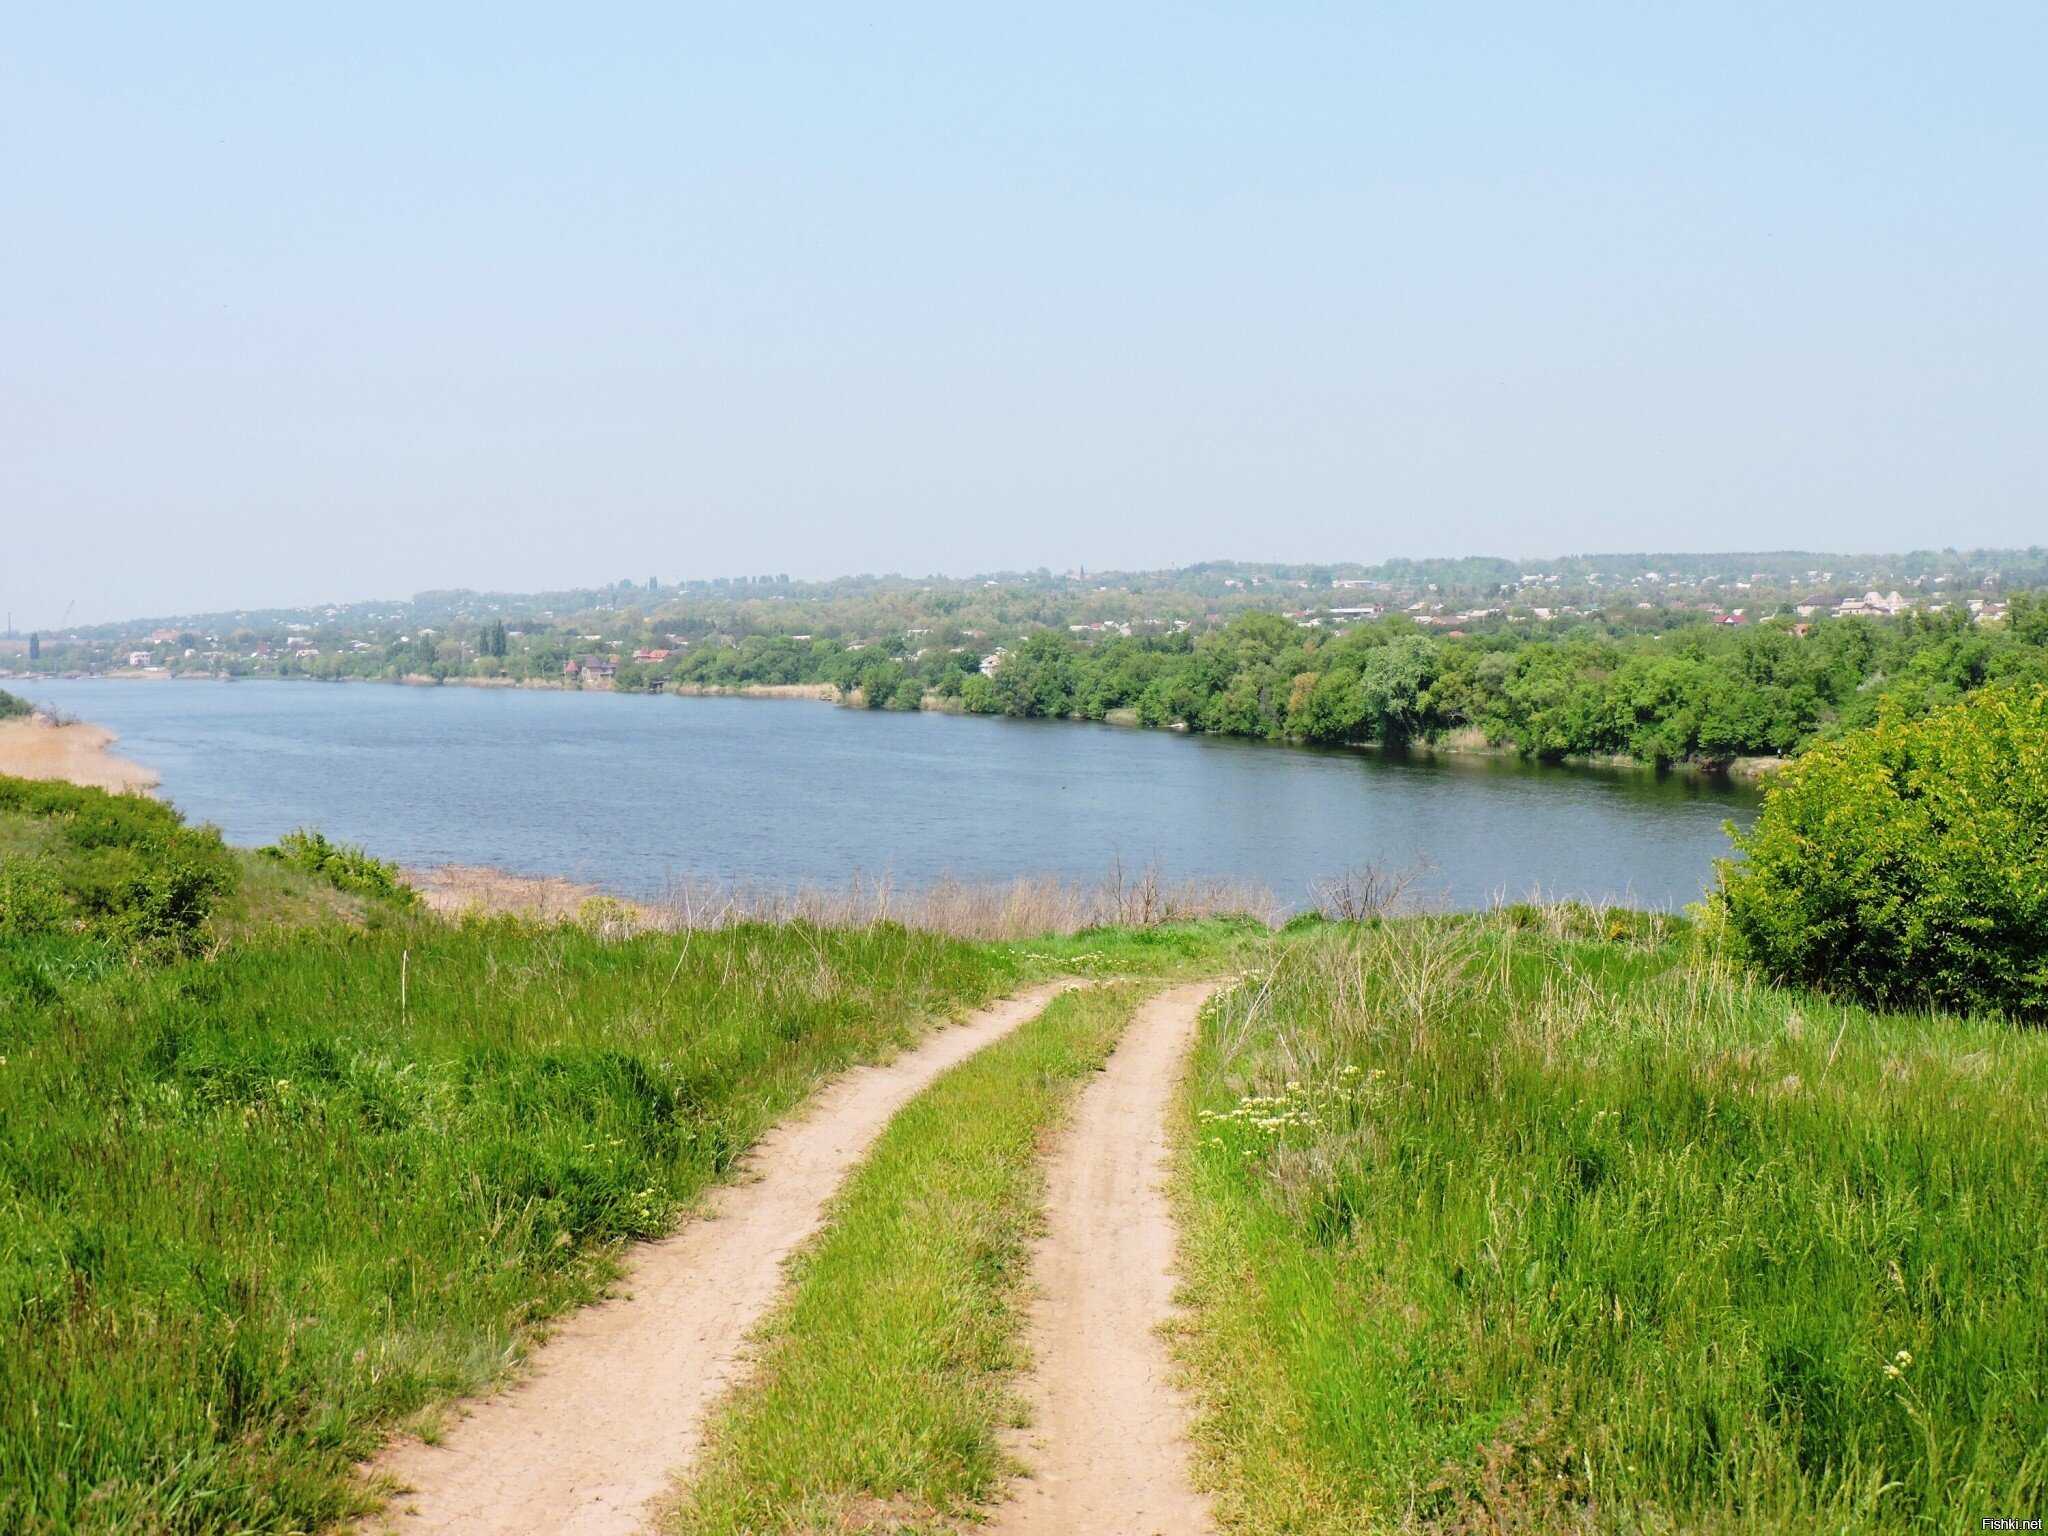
{"x": 1543, "y": 1220}
{"x": 1557, "y": 1225}
{"x": 260, "y": 1206}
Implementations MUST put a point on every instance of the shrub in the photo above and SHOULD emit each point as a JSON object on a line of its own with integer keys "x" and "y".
{"x": 13, "y": 706}
{"x": 343, "y": 866}
{"x": 1908, "y": 863}
{"x": 123, "y": 868}
{"x": 32, "y": 898}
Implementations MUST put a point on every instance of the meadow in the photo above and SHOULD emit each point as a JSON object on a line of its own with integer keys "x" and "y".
{"x": 257, "y": 1209}
{"x": 1547, "y": 1220}
{"x": 1533, "y": 1220}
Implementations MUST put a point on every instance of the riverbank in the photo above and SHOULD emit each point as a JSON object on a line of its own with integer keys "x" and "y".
{"x": 41, "y": 748}
{"x": 1749, "y": 772}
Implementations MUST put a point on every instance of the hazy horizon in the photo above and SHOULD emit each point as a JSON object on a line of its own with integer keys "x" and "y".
{"x": 328, "y": 307}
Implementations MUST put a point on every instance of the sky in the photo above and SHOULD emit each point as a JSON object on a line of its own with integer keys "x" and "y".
{"x": 322, "y": 302}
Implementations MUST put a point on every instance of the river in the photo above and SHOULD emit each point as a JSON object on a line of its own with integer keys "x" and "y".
{"x": 632, "y": 792}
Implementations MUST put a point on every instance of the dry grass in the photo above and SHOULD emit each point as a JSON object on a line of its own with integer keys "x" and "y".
{"x": 994, "y": 911}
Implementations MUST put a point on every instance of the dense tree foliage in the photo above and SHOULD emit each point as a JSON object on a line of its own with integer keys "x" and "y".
{"x": 1700, "y": 692}
{"x": 1907, "y": 863}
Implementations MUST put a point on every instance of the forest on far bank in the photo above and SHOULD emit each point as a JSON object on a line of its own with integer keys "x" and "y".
{"x": 1699, "y": 692}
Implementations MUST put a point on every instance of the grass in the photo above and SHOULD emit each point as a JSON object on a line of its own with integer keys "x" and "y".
{"x": 992, "y": 911}
{"x": 1532, "y": 1222}
{"x": 123, "y": 870}
{"x": 1164, "y": 951}
{"x": 1517, "y": 1224}
{"x": 258, "y": 1208}
{"x": 884, "y": 1382}
{"x": 78, "y": 863}
{"x": 270, "y": 895}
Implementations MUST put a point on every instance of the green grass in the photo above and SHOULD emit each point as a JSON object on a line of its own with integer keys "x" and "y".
{"x": 1199, "y": 947}
{"x": 270, "y": 895}
{"x": 343, "y": 866}
{"x": 884, "y": 1382}
{"x": 120, "y": 870}
{"x": 258, "y": 1208}
{"x": 1491, "y": 1228}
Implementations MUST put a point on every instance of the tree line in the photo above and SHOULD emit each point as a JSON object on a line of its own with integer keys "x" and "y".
{"x": 1700, "y": 692}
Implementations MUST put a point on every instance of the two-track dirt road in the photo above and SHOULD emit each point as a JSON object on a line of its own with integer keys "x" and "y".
{"x": 615, "y": 1405}
{"x": 616, "y": 1401}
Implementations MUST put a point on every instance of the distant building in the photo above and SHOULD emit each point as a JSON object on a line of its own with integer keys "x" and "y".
{"x": 1871, "y": 605}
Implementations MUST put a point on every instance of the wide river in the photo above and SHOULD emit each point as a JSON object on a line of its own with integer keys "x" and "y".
{"x": 632, "y": 792}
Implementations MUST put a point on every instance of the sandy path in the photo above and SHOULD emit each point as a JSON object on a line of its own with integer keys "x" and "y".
{"x": 616, "y": 1400}
{"x": 35, "y": 749}
{"x": 1107, "y": 1452}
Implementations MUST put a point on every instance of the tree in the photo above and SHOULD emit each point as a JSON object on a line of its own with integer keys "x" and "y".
{"x": 1038, "y": 677}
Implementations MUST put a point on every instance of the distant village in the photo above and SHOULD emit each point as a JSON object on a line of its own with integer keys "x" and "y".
{"x": 584, "y": 637}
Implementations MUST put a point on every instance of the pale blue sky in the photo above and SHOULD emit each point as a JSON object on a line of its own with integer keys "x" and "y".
{"x": 302, "y": 302}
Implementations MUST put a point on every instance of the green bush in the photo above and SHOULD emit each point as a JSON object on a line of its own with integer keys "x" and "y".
{"x": 1908, "y": 863}
{"x": 343, "y": 866}
{"x": 13, "y": 706}
{"x": 122, "y": 868}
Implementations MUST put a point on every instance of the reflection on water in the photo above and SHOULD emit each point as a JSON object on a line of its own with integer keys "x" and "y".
{"x": 630, "y": 792}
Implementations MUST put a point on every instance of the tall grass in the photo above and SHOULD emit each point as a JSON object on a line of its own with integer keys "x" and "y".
{"x": 1495, "y": 1229}
{"x": 884, "y": 1384}
{"x": 253, "y": 1211}
{"x": 989, "y": 911}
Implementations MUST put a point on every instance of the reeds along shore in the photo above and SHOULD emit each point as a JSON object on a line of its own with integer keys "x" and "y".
{"x": 991, "y": 911}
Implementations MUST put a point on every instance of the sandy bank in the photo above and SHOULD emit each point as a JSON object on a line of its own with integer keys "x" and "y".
{"x": 37, "y": 749}
{"x": 454, "y": 890}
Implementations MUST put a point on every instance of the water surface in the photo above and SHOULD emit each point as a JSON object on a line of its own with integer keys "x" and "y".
{"x": 631, "y": 792}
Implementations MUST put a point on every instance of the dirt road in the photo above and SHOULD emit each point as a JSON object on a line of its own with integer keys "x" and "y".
{"x": 616, "y": 1400}
{"x": 1107, "y": 1451}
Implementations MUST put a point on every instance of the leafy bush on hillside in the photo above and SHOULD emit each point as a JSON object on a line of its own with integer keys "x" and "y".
{"x": 343, "y": 866}
{"x": 13, "y": 706}
{"x": 1908, "y": 863}
{"x": 123, "y": 868}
